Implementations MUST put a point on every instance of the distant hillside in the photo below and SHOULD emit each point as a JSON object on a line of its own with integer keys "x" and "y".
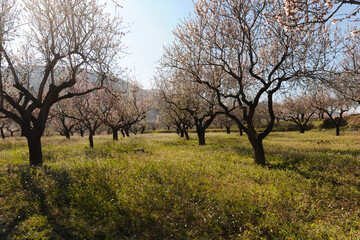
{"x": 353, "y": 121}
{"x": 37, "y": 73}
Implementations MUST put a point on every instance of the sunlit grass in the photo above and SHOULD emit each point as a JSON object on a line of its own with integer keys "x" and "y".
{"x": 176, "y": 189}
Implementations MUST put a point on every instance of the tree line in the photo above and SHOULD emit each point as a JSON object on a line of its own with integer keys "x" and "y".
{"x": 235, "y": 59}
{"x": 274, "y": 59}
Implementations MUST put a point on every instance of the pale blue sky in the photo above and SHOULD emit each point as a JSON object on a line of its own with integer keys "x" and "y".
{"x": 151, "y": 24}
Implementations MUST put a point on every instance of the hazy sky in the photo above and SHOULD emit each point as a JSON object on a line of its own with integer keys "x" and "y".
{"x": 151, "y": 24}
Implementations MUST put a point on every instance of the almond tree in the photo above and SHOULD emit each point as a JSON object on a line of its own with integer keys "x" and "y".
{"x": 81, "y": 128}
{"x": 122, "y": 108}
{"x": 60, "y": 122}
{"x": 222, "y": 120}
{"x": 167, "y": 117}
{"x": 181, "y": 119}
{"x": 301, "y": 13}
{"x": 299, "y": 110}
{"x": 181, "y": 92}
{"x": 252, "y": 56}
{"x": 345, "y": 79}
{"x": 139, "y": 127}
{"x": 65, "y": 39}
{"x": 334, "y": 107}
{"x": 86, "y": 110}
{"x": 165, "y": 120}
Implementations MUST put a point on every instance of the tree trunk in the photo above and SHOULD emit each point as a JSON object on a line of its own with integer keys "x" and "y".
{"x": 201, "y": 136}
{"x": 337, "y": 130}
{"x": 182, "y": 134}
{"x": 127, "y": 133}
{"x": 67, "y": 133}
{"x": 81, "y": 132}
{"x": 259, "y": 154}
{"x": 241, "y": 131}
{"x": 66, "y": 129}
{"x": 91, "y": 139}
{"x": 186, "y": 135}
{"x": 2, "y": 133}
{"x": 35, "y": 152}
{"x": 115, "y": 135}
{"x": 302, "y": 128}
{"x": 122, "y": 132}
{"x": 228, "y": 129}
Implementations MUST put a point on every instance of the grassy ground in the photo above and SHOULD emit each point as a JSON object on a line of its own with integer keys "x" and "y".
{"x": 178, "y": 190}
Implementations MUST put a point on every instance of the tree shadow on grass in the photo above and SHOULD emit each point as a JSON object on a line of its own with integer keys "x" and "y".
{"x": 74, "y": 208}
{"x": 317, "y": 165}
{"x": 35, "y": 194}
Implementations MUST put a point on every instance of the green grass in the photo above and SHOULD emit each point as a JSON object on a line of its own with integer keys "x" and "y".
{"x": 178, "y": 190}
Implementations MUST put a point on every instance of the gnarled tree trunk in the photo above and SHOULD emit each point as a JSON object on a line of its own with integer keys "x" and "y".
{"x": 34, "y": 144}
{"x": 259, "y": 154}
{"x": 201, "y": 136}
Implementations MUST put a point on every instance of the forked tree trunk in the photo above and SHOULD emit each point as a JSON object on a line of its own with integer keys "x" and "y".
{"x": 259, "y": 154}
{"x": 35, "y": 151}
{"x": 182, "y": 134}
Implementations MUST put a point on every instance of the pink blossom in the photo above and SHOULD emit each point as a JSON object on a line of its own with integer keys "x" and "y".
{"x": 354, "y": 32}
